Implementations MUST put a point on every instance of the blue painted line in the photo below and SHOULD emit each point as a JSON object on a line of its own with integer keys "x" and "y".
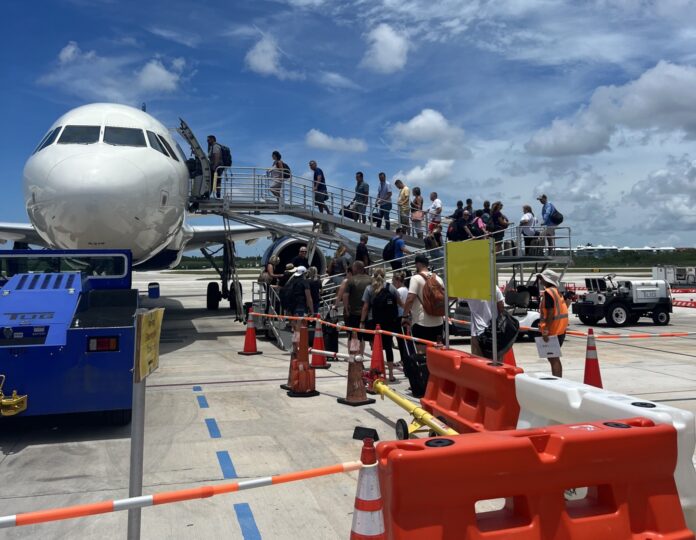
{"x": 197, "y": 388}
{"x": 226, "y": 464}
{"x": 213, "y": 428}
{"x": 202, "y": 402}
{"x": 247, "y": 522}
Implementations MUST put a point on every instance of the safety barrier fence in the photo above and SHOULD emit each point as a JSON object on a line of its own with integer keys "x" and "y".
{"x": 545, "y": 400}
{"x": 472, "y": 394}
{"x": 627, "y": 467}
{"x": 684, "y": 303}
{"x": 166, "y": 497}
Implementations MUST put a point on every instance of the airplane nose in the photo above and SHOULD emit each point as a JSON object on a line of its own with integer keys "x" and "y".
{"x": 91, "y": 175}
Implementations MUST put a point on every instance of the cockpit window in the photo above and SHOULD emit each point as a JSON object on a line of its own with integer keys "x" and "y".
{"x": 168, "y": 147}
{"x": 79, "y": 135}
{"x": 48, "y": 139}
{"x": 154, "y": 143}
{"x": 121, "y": 136}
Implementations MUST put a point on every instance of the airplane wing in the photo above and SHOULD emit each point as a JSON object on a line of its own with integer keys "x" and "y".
{"x": 202, "y": 235}
{"x": 20, "y": 232}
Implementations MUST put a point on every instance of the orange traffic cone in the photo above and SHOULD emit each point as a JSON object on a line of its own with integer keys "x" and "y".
{"x": 592, "y": 373}
{"x": 319, "y": 361}
{"x": 293, "y": 354}
{"x": 250, "y": 338}
{"x": 302, "y": 381}
{"x": 368, "y": 519}
{"x": 356, "y": 394}
{"x": 509, "y": 358}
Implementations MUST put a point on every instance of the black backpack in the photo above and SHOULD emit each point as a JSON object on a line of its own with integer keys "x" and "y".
{"x": 384, "y": 307}
{"x": 226, "y": 155}
{"x": 389, "y": 250}
{"x": 287, "y": 296}
{"x": 286, "y": 171}
{"x": 556, "y": 217}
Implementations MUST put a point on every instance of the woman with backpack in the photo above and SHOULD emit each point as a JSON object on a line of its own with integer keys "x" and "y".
{"x": 279, "y": 171}
{"x": 381, "y": 303}
{"x": 497, "y": 224}
{"x": 417, "y": 215}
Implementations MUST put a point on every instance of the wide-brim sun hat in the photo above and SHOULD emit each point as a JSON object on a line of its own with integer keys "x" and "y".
{"x": 549, "y": 276}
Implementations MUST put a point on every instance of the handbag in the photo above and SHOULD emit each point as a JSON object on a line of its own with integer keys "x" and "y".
{"x": 556, "y": 217}
{"x": 507, "y": 328}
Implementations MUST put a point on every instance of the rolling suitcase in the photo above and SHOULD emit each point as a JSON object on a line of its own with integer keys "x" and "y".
{"x": 330, "y": 335}
{"x": 416, "y": 370}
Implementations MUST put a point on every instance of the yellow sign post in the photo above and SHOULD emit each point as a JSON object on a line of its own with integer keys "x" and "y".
{"x": 148, "y": 326}
{"x": 469, "y": 269}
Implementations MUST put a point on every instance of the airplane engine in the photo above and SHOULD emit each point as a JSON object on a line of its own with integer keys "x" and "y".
{"x": 287, "y": 248}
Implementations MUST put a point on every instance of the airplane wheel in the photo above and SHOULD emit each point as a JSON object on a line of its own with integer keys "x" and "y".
{"x": 401, "y": 429}
{"x": 213, "y": 296}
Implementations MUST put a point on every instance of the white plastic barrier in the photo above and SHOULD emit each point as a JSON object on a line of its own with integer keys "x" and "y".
{"x": 545, "y": 400}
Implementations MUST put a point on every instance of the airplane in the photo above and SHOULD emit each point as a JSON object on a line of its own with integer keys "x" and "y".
{"x": 110, "y": 176}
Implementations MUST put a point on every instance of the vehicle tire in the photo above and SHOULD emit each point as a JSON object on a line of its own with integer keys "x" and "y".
{"x": 401, "y": 429}
{"x": 633, "y": 318}
{"x": 531, "y": 335}
{"x": 588, "y": 320}
{"x": 213, "y": 296}
{"x": 617, "y": 314}
{"x": 660, "y": 317}
{"x": 120, "y": 417}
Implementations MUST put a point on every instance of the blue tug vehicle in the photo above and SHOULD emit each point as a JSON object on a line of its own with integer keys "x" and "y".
{"x": 67, "y": 333}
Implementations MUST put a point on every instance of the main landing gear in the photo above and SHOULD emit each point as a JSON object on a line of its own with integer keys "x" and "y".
{"x": 228, "y": 288}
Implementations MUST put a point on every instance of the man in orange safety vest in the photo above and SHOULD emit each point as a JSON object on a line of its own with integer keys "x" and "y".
{"x": 554, "y": 314}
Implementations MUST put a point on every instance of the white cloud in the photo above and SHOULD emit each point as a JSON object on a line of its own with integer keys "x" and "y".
{"x": 429, "y": 135}
{"x": 318, "y": 139}
{"x": 668, "y": 195}
{"x": 122, "y": 79}
{"x": 336, "y": 80}
{"x": 431, "y": 174}
{"x": 182, "y": 37}
{"x": 387, "y": 50}
{"x": 661, "y": 100}
{"x": 264, "y": 58}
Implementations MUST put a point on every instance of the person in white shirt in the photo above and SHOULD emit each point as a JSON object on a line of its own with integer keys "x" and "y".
{"x": 434, "y": 212}
{"x": 423, "y": 325}
{"x": 481, "y": 316}
{"x": 529, "y": 229}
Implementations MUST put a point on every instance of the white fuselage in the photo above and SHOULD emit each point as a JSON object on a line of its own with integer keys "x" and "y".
{"x": 88, "y": 191}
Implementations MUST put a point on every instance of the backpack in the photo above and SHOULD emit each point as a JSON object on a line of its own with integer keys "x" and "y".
{"x": 298, "y": 291}
{"x": 384, "y": 307}
{"x": 452, "y": 231}
{"x": 286, "y": 171}
{"x": 475, "y": 229}
{"x": 226, "y": 155}
{"x": 389, "y": 250}
{"x": 433, "y": 296}
{"x": 556, "y": 217}
{"x": 287, "y": 297}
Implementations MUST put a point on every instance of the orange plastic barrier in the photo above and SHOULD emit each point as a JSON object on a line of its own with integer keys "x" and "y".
{"x": 624, "y": 469}
{"x": 471, "y": 393}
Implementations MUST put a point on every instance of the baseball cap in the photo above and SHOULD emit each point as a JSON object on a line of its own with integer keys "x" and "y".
{"x": 300, "y": 270}
{"x": 542, "y": 196}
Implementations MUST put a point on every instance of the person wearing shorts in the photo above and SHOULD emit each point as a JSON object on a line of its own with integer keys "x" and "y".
{"x": 423, "y": 325}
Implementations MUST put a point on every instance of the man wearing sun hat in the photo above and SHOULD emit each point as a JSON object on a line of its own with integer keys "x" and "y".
{"x": 554, "y": 313}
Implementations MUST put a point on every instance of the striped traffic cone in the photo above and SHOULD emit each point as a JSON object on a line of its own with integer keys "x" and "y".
{"x": 319, "y": 361}
{"x": 592, "y": 374}
{"x": 250, "y": 338}
{"x": 368, "y": 520}
{"x": 302, "y": 380}
{"x": 509, "y": 358}
{"x": 377, "y": 360}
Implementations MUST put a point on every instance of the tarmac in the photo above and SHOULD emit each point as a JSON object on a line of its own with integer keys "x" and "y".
{"x": 61, "y": 461}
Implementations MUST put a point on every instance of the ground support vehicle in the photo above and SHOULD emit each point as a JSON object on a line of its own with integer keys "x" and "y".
{"x": 676, "y": 275}
{"x": 67, "y": 332}
{"x": 624, "y": 301}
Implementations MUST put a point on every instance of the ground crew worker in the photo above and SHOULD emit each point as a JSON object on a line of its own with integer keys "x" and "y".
{"x": 554, "y": 314}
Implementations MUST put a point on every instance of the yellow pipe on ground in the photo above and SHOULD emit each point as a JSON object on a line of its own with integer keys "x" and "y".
{"x": 420, "y": 415}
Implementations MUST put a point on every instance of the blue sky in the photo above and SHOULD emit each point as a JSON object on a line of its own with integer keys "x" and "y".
{"x": 591, "y": 103}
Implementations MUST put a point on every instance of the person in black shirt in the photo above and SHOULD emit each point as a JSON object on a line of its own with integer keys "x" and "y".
{"x": 320, "y": 192}
{"x": 301, "y": 259}
{"x": 361, "y": 253}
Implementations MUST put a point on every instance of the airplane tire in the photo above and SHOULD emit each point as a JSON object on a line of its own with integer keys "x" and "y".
{"x": 213, "y": 296}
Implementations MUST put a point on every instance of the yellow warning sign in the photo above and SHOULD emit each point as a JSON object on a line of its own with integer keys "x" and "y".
{"x": 148, "y": 326}
{"x": 469, "y": 268}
